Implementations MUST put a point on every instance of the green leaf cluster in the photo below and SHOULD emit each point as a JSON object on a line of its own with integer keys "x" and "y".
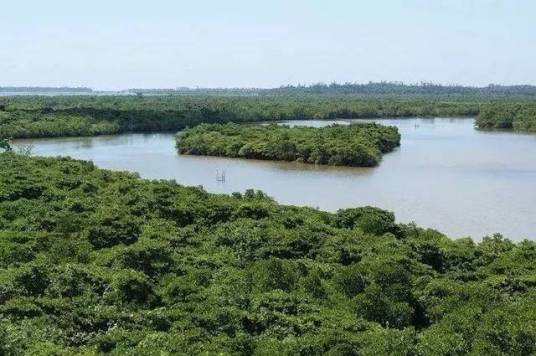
{"x": 516, "y": 116}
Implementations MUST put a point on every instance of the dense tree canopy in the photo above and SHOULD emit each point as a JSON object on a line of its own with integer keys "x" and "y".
{"x": 399, "y": 88}
{"x": 517, "y": 116}
{"x": 359, "y": 145}
{"x": 93, "y": 115}
{"x": 94, "y": 261}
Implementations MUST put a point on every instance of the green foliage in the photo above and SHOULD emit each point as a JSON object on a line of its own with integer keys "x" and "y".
{"x": 5, "y": 144}
{"x": 274, "y": 274}
{"x": 350, "y": 280}
{"x": 93, "y": 261}
{"x": 352, "y": 145}
{"x": 110, "y": 227}
{"x": 369, "y": 219}
{"x": 356, "y": 89}
{"x": 131, "y": 287}
{"x": 96, "y": 115}
{"x": 520, "y": 116}
{"x": 33, "y": 280}
{"x": 25, "y": 117}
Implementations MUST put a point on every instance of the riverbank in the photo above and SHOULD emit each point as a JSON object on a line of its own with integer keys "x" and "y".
{"x": 445, "y": 175}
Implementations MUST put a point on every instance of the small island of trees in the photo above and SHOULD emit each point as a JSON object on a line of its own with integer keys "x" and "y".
{"x": 358, "y": 145}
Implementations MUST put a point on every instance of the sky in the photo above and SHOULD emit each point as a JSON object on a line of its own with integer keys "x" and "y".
{"x": 118, "y": 44}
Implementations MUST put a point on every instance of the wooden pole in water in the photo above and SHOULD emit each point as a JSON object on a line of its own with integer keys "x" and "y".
{"x": 220, "y": 177}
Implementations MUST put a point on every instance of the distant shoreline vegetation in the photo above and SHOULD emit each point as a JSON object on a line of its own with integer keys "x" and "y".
{"x": 66, "y": 115}
{"x": 90, "y": 115}
{"x": 348, "y": 88}
{"x": 357, "y": 145}
{"x": 45, "y": 90}
{"x": 513, "y": 116}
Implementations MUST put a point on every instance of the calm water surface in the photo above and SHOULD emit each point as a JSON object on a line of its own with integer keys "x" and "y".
{"x": 445, "y": 175}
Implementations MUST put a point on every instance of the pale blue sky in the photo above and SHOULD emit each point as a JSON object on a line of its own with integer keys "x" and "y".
{"x": 117, "y": 44}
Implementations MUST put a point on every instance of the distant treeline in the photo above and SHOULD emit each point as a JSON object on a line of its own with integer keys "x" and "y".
{"x": 396, "y": 88}
{"x": 333, "y": 89}
{"x": 358, "y": 145}
{"x": 89, "y": 115}
{"x": 519, "y": 116}
{"x": 199, "y": 91}
{"x": 356, "y": 89}
{"x": 93, "y": 115}
{"x": 45, "y": 90}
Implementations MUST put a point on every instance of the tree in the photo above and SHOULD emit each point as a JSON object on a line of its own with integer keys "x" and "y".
{"x": 5, "y": 144}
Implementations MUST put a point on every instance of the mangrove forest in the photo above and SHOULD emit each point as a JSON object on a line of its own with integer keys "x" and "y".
{"x": 32, "y": 117}
{"x": 516, "y": 116}
{"x": 358, "y": 145}
{"x": 94, "y": 261}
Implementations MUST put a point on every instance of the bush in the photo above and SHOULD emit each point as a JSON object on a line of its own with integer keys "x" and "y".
{"x": 369, "y": 219}
{"x": 32, "y": 279}
{"x": 274, "y": 274}
{"x": 111, "y": 227}
{"x": 350, "y": 280}
{"x": 130, "y": 287}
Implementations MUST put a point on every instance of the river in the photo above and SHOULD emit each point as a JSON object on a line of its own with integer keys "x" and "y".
{"x": 446, "y": 175}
